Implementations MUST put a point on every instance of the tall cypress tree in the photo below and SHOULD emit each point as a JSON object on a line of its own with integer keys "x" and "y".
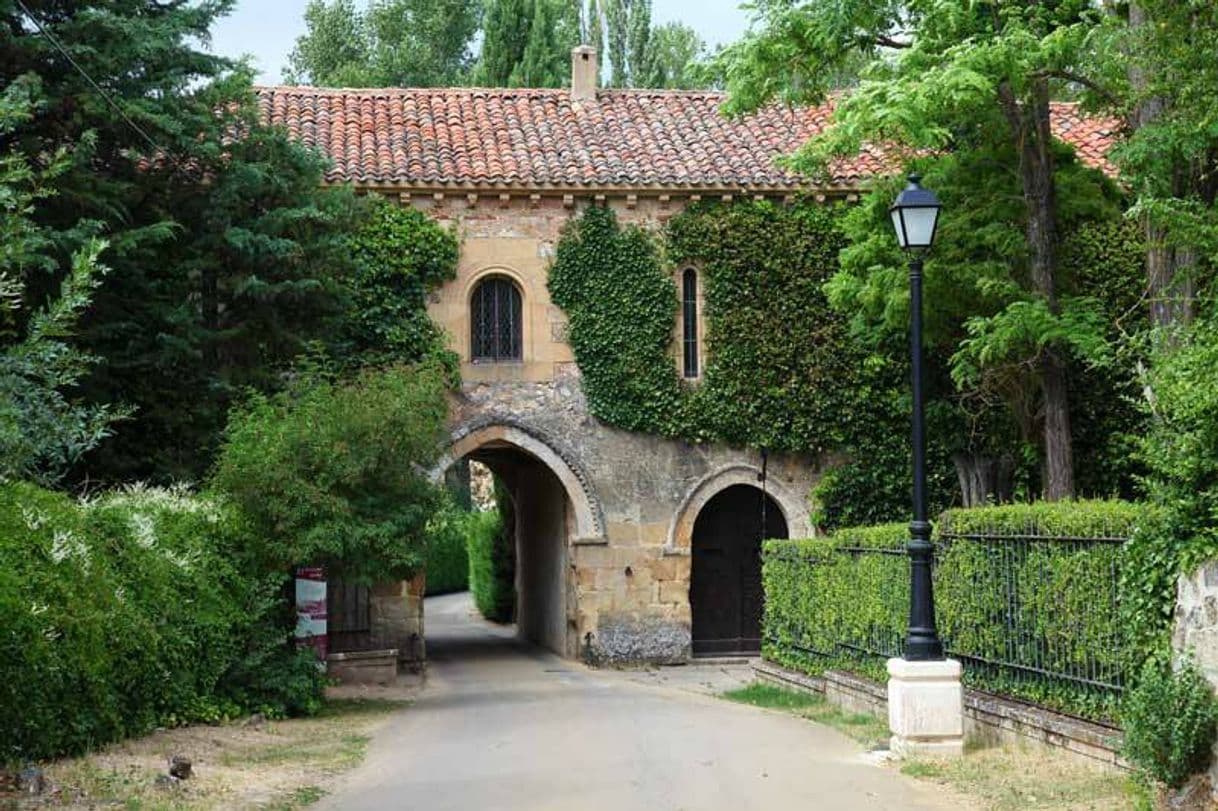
{"x": 506, "y": 34}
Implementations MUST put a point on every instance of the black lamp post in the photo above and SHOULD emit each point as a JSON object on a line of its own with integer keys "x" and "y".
{"x": 915, "y": 215}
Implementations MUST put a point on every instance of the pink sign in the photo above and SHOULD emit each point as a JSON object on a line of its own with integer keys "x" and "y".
{"x": 311, "y": 609}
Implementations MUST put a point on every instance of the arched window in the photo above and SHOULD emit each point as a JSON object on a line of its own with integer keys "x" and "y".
{"x": 494, "y": 316}
{"x": 689, "y": 321}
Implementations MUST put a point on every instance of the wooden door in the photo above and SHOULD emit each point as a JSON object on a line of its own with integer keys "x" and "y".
{"x": 725, "y": 592}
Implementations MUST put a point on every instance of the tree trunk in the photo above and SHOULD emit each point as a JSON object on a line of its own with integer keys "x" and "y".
{"x": 1029, "y": 123}
{"x": 984, "y": 479}
{"x": 1169, "y": 268}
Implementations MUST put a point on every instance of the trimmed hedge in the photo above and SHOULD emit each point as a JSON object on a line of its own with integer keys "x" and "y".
{"x": 492, "y": 564}
{"x": 1039, "y": 596}
{"x": 447, "y": 555}
{"x": 132, "y": 612}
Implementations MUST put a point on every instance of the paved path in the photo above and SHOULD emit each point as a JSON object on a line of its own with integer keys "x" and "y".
{"x": 501, "y": 726}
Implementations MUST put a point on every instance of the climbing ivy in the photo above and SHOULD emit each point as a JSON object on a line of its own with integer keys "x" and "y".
{"x": 782, "y": 370}
{"x": 620, "y": 305}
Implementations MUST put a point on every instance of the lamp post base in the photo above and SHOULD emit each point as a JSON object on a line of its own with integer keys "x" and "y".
{"x": 925, "y": 708}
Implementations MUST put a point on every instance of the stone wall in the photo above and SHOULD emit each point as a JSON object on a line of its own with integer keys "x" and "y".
{"x": 1195, "y": 631}
{"x": 396, "y": 620}
{"x": 630, "y": 500}
{"x": 989, "y": 720}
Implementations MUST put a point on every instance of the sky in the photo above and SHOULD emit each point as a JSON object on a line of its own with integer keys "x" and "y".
{"x": 267, "y": 29}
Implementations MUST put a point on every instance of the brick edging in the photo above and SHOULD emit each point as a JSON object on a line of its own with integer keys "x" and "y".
{"x": 999, "y": 717}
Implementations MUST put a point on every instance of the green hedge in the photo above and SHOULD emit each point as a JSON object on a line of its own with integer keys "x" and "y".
{"x": 843, "y": 601}
{"x": 492, "y": 565}
{"x": 132, "y": 612}
{"x": 447, "y": 556}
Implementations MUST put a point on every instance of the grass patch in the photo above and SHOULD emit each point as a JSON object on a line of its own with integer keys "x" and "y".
{"x": 1014, "y": 778}
{"x": 998, "y": 779}
{"x": 271, "y": 766}
{"x": 862, "y": 727}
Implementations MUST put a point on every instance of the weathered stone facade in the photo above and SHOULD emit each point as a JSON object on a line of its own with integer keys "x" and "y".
{"x": 623, "y": 543}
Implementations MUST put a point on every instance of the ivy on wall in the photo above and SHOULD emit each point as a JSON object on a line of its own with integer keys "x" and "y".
{"x": 620, "y": 305}
{"x": 782, "y": 370}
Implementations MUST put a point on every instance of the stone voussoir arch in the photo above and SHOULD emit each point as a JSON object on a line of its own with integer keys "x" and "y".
{"x": 467, "y": 438}
{"x": 790, "y": 503}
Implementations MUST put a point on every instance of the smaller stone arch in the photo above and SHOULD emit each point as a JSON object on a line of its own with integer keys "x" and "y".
{"x": 589, "y": 517}
{"x": 681, "y": 529}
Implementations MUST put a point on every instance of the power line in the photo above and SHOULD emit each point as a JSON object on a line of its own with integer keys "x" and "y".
{"x": 157, "y": 148}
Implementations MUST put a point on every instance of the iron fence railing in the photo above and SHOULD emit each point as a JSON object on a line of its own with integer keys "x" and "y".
{"x": 1026, "y": 614}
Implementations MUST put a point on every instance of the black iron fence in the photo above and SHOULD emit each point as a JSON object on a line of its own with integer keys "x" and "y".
{"x": 1030, "y": 615}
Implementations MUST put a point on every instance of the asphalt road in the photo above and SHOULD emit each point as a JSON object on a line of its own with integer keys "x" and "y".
{"x": 501, "y": 726}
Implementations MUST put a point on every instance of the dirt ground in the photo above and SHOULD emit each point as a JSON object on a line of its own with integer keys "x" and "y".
{"x": 249, "y": 764}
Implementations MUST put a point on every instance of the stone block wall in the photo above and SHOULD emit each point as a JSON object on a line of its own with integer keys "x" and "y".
{"x": 631, "y": 500}
{"x": 1195, "y": 631}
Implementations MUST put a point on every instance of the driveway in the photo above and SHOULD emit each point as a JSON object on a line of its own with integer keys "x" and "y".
{"x": 502, "y": 726}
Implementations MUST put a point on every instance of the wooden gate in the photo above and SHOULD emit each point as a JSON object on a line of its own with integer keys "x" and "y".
{"x": 349, "y": 621}
{"x": 725, "y": 592}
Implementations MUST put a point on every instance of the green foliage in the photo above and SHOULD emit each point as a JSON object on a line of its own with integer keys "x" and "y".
{"x": 942, "y": 76}
{"x": 447, "y": 563}
{"x": 1180, "y": 452}
{"x": 1171, "y": 720}
{"x": 492, "y": 559}
{"x": 131, "y": 612}
{"x": 1155, "y": 67}
{"x": 676, "y": 57}
{"x": 781, "y": 372}
{"x": 398, "y": 255}
{"x": 42, "y": 432}
{"x": 828, "y": 602}
{"x": 394, "y": 43}
{"x": 223, "y": 253}
{"x": 810, "y": 389}
{"x": 989, "y": 328}
{"x": 546, "y": 59}
{"x": 621, "y": 307}
{"x": 332, "y": 472}
{"x": 505, "y": 36}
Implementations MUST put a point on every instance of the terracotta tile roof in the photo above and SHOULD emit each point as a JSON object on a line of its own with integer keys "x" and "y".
{"x": 543, "y": 138}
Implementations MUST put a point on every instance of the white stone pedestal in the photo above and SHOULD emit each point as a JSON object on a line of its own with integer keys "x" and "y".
{"x": 925, "y": 708}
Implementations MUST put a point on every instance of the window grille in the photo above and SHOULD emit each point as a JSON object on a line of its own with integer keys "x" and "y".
{"x": 689, "y": 316}
{"x": 495, "y": 321}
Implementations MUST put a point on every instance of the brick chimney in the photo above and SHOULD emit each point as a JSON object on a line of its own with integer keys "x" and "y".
{"x": 584, "y": 72}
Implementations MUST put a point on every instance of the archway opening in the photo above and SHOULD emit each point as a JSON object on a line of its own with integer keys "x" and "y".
{"x": 725, "y": 592}
{"x": 540, "y": 519}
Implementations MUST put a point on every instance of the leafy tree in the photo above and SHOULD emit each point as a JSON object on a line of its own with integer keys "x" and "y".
{"x": 676, "y": 56}
{"x": 546, "y": 61}
{"x": 42, "y": 431}
{"x": 335, "y": 50}
{"x": 527, "y": 43}
{"x": 332, "y": 471}
{"x": 947, "y": 74}
{"x": 504, "y": 38}
{"x": 1157, "y": 69}
{"x": 223, "y": 253}
{"x": 255, "y": 272}
{"x": 640, "y": 54}
{"x": 398, "y": 43}
{"x": 398, "y": 255}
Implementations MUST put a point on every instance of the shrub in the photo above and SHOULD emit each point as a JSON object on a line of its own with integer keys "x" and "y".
{"x": 492, "y": 565}
{"x": 130, "y": 612}
{"x": 447, "y": 554}
{"x": 1171, "y": 719}
{"x": 1035, "y": 596}
{"x": 331, "y": 472}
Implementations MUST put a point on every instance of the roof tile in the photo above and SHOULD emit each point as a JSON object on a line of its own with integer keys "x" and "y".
{"x": 478, "y": 136}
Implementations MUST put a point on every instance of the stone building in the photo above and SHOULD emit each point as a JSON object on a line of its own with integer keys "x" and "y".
{"x": 630, "y": 547}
